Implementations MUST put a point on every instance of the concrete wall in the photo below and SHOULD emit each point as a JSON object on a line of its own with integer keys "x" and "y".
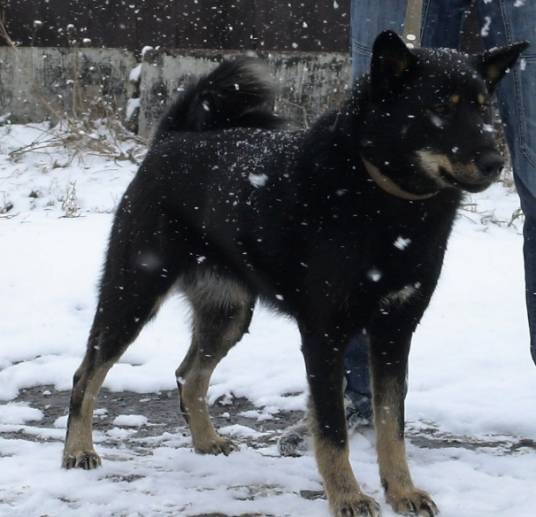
{"x": 43, "y": 83}
{"x": 310, "y": 82}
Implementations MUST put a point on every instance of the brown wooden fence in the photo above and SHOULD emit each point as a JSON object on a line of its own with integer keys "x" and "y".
{"x": 304, "y": 25}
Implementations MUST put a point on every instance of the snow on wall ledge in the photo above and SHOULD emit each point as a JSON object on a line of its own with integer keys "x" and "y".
{"x": 38, "y": 84}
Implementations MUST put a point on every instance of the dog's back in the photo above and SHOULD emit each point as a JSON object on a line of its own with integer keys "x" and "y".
{"x": 220, "y": 163}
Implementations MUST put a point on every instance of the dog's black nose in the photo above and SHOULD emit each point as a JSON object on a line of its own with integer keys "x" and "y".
{"x": 490, "y": 164}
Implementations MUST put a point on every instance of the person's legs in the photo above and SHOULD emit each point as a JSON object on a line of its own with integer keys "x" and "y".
{"x": 442, "y": 22}
{"x": 367, "y": 20}
{"x": 509, "y": 21}
{"x": 528, "y": 205}
{"x": 357, "y": 392}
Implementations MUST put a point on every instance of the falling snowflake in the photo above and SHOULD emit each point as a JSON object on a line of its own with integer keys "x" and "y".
{"x": 401, "y": 242}
{"x": 258, "y": 180}
{"x": 374, "y": 275}
{"x": 484, "y": 32}
{"x": 437, "y": 121}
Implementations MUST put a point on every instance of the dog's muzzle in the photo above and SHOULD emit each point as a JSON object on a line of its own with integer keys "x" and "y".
{"x": 473, "y": 176}
{"x": 477, "y": 175}
{"x": 490, "y": 164}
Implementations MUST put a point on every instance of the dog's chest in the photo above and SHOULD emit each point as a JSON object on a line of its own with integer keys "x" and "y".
{"x": 395, "y": 267}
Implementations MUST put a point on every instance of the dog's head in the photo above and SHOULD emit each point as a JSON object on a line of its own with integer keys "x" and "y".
{"x": 428, "y": 122}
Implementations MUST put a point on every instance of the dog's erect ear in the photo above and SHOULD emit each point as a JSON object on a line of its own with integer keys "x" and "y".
{"x": 494, "y": 63}
{"x": 391, "y": 59}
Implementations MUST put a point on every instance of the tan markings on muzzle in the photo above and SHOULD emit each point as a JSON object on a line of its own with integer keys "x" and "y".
{"x": 431, "y": 163}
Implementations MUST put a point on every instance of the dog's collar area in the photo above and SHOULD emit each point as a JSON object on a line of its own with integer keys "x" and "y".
{"x": 389, "y": 186}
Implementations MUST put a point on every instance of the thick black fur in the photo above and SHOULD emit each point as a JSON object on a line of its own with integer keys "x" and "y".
{"x": 237, "y": 94}
{"x": 294, "y": 217}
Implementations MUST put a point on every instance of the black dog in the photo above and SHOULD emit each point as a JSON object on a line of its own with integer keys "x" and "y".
{"x": 343, "y": 227}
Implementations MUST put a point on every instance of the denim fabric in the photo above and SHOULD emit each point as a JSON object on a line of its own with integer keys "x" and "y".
{"x": 368, "y": 19}
{"x": 505, "y": 21}
{"x": 511, "y": 21}
{"x": 357, "y": 377}
{"x": 529, "y": 252}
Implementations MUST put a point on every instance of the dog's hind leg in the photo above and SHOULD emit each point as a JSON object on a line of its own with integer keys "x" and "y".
{"x": 389, "y": 347}
{"x": 222, "y": 312}
{"x": 122, "y": 311}
{"x": 140, "y": 269}
{"x": 78, "y": 450}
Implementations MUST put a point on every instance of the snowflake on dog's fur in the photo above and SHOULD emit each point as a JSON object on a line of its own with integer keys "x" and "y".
{"x": 374, "y": 274}
{"x": 401, "y": 242}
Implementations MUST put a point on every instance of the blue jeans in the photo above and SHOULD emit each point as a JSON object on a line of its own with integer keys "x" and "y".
{"x": 442, "y": 23}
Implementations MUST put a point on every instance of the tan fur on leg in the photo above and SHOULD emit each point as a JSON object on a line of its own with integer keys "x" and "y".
{"x": 222, "y": 312}
{"x": 342, "y": 489}
{"x": 193, "y": 392}
{"x": 391, "y": 447}
{"x": 79, "y": 450}
{"x": 394, "y": 470}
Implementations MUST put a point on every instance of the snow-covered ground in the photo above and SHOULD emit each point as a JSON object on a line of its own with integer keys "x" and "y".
{"x": 471, "y": 407}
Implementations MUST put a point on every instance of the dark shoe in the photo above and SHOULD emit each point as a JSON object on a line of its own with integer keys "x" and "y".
{"x": 358, "y": 416}
{"x": 294, "y": 441}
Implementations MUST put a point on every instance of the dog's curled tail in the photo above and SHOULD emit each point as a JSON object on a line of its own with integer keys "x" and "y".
{"x": 238, "y": 93}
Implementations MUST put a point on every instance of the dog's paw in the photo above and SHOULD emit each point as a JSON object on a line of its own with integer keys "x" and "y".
{"x": 86, "y": 460}
{"x": 359, "y": 505}
{"x": 218, "y": 445}
{"x": 413, "y": 502}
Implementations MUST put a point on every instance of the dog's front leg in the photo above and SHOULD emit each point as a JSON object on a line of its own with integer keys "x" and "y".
{"x": 389, "y": 348}
{"x": 324, "y": 362}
